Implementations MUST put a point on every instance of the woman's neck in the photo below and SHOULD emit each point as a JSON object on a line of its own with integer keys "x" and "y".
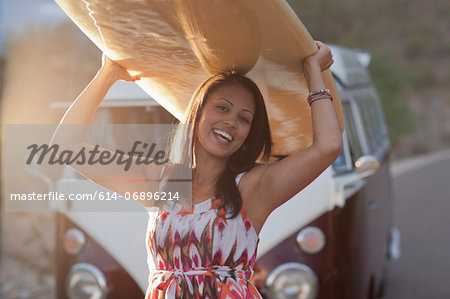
{"x": 207, "y": 168}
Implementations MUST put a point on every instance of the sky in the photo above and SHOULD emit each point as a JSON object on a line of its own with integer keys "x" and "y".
{"x": 15, "y": 14}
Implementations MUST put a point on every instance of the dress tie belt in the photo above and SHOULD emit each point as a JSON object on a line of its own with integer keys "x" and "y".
{"x": 161, "y": 278}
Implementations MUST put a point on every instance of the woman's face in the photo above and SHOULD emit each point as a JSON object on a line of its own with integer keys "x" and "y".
{"x": 226, "y": 120}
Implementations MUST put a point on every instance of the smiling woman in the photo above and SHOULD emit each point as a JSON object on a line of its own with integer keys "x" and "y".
{"x": 229, "y": 131}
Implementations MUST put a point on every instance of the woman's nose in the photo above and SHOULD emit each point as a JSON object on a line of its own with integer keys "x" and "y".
{"x": 230, "y": 121}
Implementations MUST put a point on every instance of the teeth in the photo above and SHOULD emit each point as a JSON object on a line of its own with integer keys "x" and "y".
{"x": 224, "y": 134}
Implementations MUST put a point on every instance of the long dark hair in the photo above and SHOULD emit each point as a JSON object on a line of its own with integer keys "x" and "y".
{"x": 257, "y": 145}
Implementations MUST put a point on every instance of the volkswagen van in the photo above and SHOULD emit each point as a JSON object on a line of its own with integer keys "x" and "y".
{"x": 334, "y": 239}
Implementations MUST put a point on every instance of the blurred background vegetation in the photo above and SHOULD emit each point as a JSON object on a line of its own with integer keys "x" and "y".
{"x": 410, "y": 48}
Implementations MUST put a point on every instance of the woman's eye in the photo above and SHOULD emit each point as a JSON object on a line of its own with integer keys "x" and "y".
{"x": 244, "y": 119}
{"x": 222, "y": 108}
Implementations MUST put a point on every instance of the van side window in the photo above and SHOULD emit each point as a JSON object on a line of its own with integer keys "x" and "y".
{"x": 365, "y": 130}
{"x": 134, "y": 117}
{"x": 351, "y": 129}
{"x": 351, "y": 150}
{"x": 373, "y": 123}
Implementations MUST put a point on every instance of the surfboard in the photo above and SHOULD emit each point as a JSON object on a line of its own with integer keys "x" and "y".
{"x": 175, "y": 45}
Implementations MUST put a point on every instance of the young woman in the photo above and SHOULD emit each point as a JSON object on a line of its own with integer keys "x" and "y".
{"x": 209, "y": 249}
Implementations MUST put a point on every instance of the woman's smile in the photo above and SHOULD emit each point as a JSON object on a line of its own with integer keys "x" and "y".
{"x": 223, "y": 136}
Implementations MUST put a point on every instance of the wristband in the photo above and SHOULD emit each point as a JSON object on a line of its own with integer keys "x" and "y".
{"x": 319, "y": 95}
{"x": 312, "y": 93}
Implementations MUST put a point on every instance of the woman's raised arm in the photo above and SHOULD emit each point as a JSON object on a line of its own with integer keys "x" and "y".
{"x": 83, "y": 109}
{"x": 74, "y": 126}
{"x": 275, "y": 183}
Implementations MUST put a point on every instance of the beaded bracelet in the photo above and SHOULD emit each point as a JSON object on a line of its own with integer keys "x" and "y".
{"x": 312, "y": 93}
{"x": 319, "y": 95}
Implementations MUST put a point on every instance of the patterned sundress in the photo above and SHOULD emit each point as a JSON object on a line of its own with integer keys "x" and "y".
{"x": 198, "y": 253}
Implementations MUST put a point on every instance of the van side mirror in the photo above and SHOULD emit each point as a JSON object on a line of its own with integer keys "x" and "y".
{"x": 364, "y": 167}
{"x": 367, "y": 165}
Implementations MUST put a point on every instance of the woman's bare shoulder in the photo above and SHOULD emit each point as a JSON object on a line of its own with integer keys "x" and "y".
{"x": 256, "y": 171}
{"x": 249, "y": 180}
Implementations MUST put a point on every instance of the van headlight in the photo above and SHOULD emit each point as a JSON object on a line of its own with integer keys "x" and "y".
{"x": 311, "y": 239}
{"x": 85, "y": 281}
{"x": 73, "y": 241}
{"x": 292, "y": 281}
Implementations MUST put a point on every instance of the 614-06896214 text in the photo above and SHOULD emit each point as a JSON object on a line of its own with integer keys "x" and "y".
{"x": 97, "y": 195}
